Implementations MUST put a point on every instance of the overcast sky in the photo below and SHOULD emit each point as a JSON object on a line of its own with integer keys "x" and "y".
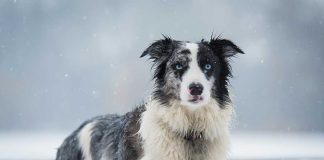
{"x": 62, "y": 62}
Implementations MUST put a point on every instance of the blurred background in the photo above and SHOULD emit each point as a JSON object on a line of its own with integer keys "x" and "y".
{"x": 62, "y": 62}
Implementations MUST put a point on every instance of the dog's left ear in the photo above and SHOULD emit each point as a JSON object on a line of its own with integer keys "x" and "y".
{"x": 224, "y": 47}
{"x": 159, "y": 49}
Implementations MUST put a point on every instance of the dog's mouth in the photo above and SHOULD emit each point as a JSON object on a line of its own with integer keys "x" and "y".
{"x": 195, "y": 99}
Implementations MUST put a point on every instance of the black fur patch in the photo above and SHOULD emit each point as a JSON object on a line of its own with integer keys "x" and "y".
{"x": 223, "y": 49}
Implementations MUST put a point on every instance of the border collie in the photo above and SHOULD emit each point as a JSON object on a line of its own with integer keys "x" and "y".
{"x": 187, "y": 116}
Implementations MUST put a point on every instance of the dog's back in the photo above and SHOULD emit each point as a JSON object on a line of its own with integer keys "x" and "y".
{"x": 104, "y": 137}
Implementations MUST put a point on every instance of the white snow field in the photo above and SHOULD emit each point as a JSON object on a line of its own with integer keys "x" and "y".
{"x": 255, "y": 145}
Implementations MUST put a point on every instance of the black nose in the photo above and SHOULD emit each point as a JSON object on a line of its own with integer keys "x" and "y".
{"x": 196, "y": 89}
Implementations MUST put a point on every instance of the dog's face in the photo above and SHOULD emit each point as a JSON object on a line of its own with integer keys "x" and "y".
{"x": 191, "y": 73}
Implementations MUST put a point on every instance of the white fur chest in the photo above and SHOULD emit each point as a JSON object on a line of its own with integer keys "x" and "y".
{"x": 163, "y": 128}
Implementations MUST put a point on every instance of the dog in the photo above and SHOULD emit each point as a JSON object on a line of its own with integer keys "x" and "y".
{"x": 187, "y": 116}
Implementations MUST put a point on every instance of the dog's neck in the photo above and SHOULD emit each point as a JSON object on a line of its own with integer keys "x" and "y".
{"x": 205, "y": 122}
{"x": 174, "y": 132}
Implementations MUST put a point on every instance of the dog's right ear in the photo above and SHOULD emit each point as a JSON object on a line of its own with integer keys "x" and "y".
{"x": 159, "y": 49}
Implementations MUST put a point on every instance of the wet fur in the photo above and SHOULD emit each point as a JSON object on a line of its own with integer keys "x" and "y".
{"x": 163, "y": 128}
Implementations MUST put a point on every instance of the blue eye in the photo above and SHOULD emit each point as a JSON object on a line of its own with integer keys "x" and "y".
{"x": 179, "y": 66}
{"x": 207, "y": 66}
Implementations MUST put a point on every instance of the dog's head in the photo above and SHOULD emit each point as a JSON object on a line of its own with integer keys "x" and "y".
{"x": 191, "y": 73}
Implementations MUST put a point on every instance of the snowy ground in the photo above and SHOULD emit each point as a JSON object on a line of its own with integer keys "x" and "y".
{"x": 301, "y": 146}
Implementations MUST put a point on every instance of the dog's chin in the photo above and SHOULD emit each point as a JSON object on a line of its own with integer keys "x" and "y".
{"x": 193, "y": 103}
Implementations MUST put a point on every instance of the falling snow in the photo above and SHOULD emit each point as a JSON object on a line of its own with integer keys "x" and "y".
{"x": 54, "y": 62}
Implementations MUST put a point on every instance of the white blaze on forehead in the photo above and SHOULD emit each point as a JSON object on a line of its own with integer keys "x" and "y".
{"x": 194, "y": 74}
{"x": 193, "y": 48}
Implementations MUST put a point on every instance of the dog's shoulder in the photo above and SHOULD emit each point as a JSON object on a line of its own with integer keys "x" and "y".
{"x": 119, "y": 133}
